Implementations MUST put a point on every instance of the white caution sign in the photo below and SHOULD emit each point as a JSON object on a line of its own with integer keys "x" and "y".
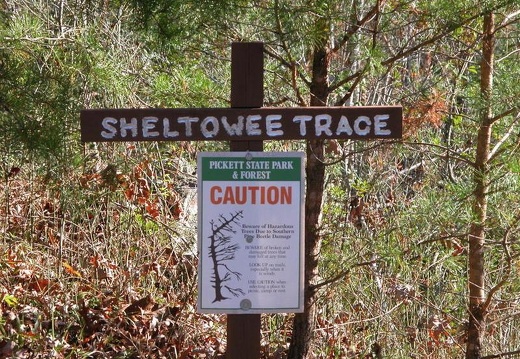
{"x": 250, "y": 232}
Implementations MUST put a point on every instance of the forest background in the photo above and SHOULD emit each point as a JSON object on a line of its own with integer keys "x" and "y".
{"x": 412, "y": 246}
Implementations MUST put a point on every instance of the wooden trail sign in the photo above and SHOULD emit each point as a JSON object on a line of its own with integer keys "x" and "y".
{"x": 245, "y": 126}
{"x": 232, "y": 124}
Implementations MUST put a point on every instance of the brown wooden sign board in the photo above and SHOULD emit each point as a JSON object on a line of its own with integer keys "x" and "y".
{"x": 239, "y": 124}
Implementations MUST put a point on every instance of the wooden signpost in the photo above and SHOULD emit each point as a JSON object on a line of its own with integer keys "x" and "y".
{"x": 245, "y": 125}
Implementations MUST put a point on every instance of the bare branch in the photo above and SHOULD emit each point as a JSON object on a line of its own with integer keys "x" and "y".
{"x": 405, "y": 52}
{"x": 504, "y": 138}
{"x": 371, "y": 14}
{"x": 508, "y": 264}
{"x": 502, "y": 355}
{"x": 455, "y": 154}
{"x": 342, "y": 274}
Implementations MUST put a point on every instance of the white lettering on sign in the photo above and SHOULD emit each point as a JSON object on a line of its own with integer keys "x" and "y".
{"x": 149, "y": 124}
{"x": 226, "y": 165}
{"x": 213, "y": 123}
{"x": 380, "y": 125}
{"x": 166, "y": 129}
{"x": 344, "y": 127}
{"x": 272, "y": 125}
{"x": 252, "y": 125}
{"x": 128, "y": 126}
{"x": 234, "y": 129}
{"x": 255, "y": 175}
{"x": 108, "y": 124}
{"x": 257, "y": 165}
{"x": 358, "y": 123}
{"x": 302, "y": 120}
{"x": 323, "y": 125}
{"x": 187, "y": 121}
{"x": 273, "y": 128}
{"x": 283, "y": 165}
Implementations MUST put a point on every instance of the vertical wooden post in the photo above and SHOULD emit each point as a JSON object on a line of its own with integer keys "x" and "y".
{"x": 247, "y": 90}
{"x": 247, "y": 84}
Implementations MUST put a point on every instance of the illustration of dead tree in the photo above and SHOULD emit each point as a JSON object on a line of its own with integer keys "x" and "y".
{"x": 221, "y": 251}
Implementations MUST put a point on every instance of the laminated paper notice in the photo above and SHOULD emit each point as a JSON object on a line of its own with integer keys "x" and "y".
{"x": 250, "y": 232}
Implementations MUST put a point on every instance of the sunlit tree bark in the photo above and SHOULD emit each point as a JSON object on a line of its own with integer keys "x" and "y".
{"x": 477, "y": 234}
{"x": 315, "y": 173}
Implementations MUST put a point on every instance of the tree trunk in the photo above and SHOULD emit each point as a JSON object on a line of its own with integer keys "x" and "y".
{"x": 303, "y": 323}
{"x": 476, "y": 268}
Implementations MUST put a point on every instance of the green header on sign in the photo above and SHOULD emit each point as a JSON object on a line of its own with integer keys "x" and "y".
{"x": 254, "y": 169}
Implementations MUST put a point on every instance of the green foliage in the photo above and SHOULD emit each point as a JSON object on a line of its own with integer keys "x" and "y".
{"x": 10, "y": 300}
{"x": 176, "y": 22}
{"x": 395, "y": 216}
{"x": 187, "y": 85}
